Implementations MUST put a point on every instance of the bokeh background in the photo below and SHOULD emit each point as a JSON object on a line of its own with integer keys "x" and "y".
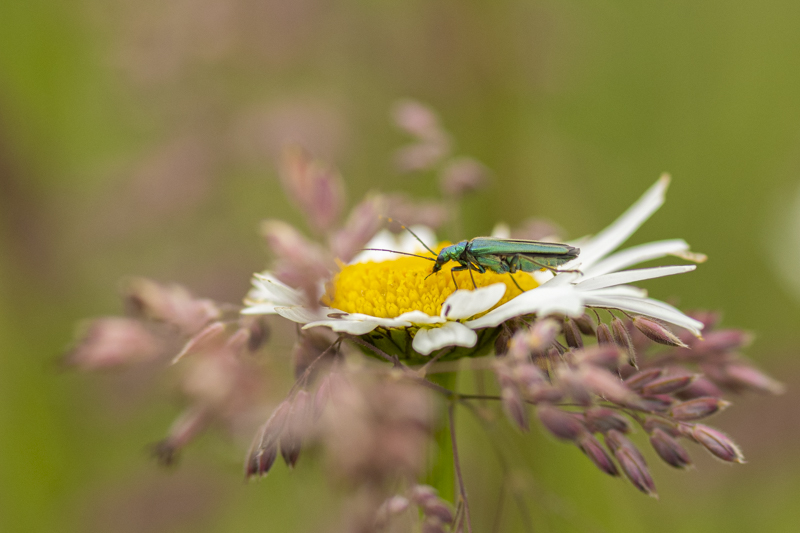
{"x": 140, "y": 138}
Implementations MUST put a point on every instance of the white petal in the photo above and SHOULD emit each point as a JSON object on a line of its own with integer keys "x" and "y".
{"x": 403, "y": 321}
{"x": 304, "y": 315}
{"x": 501, "y": 231}
{"x": 560, "y": 280}
{"x": 358, "y": 323}
{"x": 648, "y": 307}
{"x": 420, "y": 317}
{"x": 630, "y": 276}
{"x": 664, "y": 305}
{"x": 385, "y": 322}
{"x": 580, "y": 242}
{"x": 542, "y": 276}
{"x": 464, "y": 304}
{"x": 267, "y": 289}
{"x": 622, "y": 290}
{"x": 353, "y": 327}
{"x": 384, "y": 240}
{"x": 451, "y": 334}
{"x": 408, "y": 243}
{"x": 542, "y": 301}
{"x": 404, "y": 242}
{"x": 260, "y": 309}
{"x": 610, "y": 238}
{"x": 636, "y": 255}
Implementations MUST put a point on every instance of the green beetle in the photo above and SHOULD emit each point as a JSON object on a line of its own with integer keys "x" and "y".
{"x": 504, "y": 256}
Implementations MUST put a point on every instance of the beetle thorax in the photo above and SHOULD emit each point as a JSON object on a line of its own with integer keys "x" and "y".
{"x": 452, "y": 252}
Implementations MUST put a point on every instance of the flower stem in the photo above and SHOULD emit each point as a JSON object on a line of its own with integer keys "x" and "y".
{"x": 462, "y": 490}
{"x": 441, "y": 473}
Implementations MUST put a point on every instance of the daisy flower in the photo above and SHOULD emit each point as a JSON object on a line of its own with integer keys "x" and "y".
{"x": 389, "y": 299}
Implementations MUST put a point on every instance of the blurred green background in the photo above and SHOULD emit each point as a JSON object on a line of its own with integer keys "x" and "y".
{"x": 139, "y": 138}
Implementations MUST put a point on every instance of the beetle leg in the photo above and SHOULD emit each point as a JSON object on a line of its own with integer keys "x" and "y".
{"x": 473, "y": 264}
{"x": 515, "y": 282}
{"x": 460, "y": 268}
{"x": 513, "y": 263}
{"x": 495, "y": 263}
{"x": 474, "y": 285}
{"x": 453, "y": 276}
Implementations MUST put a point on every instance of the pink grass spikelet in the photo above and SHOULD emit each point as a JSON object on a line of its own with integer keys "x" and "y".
{"x": 724, "y": 340}
{"x": 572, "y": 334}
{"x": 171, "y": 304}
{"x": 657, "y": 332}
{"x": 698, "y": 408}
{"x": 631, "y": 462}
{"x": 463, "y": 175}
{"x": 716, "y": 442}
{"x": 291, "y": 440}
{"x": 586, "y": 325}
{"x": 560, "y": 423}
{"x": 264, "y": 449}
{"x": 638, "y": 380}
{"x": 669, "y": 450}
{"x": 669, "y": 384}
{"x": 589, "y": 445}
{"x": 603, "y": 419}
{"x": 747, "y": 377}
{"x": 623, "y": 339}
{"x": 114, "y": 341}
{"x": 604, "y": 336}
{"x": 362, "y": 224}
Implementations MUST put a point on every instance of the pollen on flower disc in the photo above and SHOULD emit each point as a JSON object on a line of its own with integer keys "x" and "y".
{"x": 390, "y": 288}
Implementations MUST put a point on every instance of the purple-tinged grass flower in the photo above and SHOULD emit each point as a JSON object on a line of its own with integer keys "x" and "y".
{"x": 560, "y": 423}
{"x": 603, "y": 419}
{"x": 640, "y": 379}
{"x": 698, "y": 408}
{"x": 376, "y": 429}
{"x": 463, "y": 175}
{"x": 622, "y": 338}
{"x": 314, "y": 187}
{"x": 169, "y": 304}
{"x": 718, "y": 443}
{"x": 572, "y": 334}
{"x": 432, "y": 143}
{"x": 514, "y": 407}
{"x": 669, "y": 450}
{"x": 657, "y": 332}
{"x": 631, "y": 462}
{"x": 264, "y": 449}
{"x": 112, "y": 342}
{"x": 668, "y": 384}
{"x": 589, "y": 445}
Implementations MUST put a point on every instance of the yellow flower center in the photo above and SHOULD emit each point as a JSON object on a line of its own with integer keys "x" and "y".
{"x": 388, "y": 289}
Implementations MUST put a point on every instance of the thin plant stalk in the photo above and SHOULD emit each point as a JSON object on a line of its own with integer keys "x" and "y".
{"x": 442, "y": 475}
{"x": 461, "y": 487}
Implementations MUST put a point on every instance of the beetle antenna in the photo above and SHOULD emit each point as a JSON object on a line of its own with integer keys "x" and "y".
{"x": 396, "y": 252}
{"x": 412, "y": 233}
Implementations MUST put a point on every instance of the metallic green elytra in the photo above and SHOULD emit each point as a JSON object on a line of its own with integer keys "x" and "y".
{"x": 504, "y": 256}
